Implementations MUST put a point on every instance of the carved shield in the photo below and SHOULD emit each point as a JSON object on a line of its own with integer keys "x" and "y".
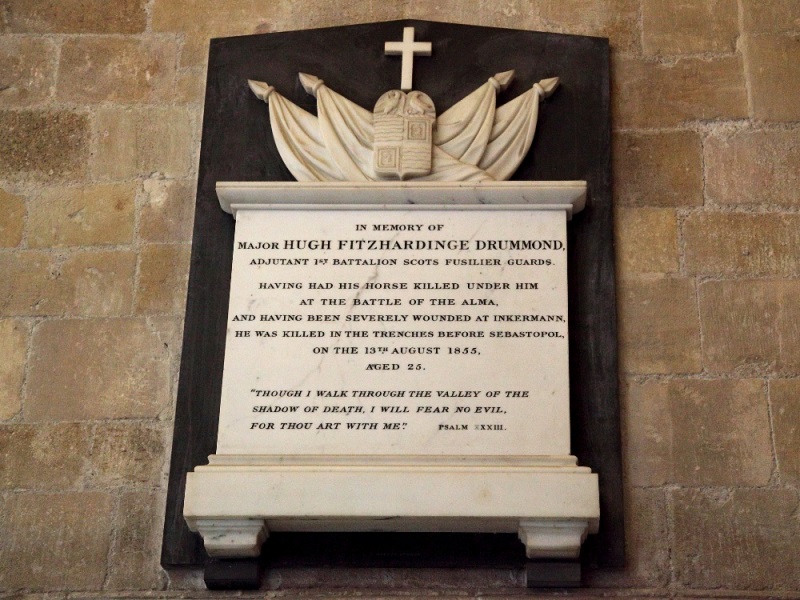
{"x": 403, "y": 144}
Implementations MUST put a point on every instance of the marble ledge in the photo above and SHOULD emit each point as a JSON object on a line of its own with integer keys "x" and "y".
{"x": 569, "y": 196}
{"x": 551, "y": 510}
{"x": 399, "y": 461}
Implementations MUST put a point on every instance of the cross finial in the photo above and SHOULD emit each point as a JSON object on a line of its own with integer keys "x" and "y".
{"x": 408, "y": 48}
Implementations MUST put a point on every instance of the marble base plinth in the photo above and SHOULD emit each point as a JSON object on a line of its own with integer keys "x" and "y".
{"x": 551, "y": 503}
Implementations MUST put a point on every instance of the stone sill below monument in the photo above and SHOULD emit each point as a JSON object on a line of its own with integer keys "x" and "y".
{"x": 554, "y": 507}
{"x": 464, "y": 434}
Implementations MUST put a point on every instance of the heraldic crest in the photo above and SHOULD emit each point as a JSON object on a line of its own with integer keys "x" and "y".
{"x": 402, "y": 138}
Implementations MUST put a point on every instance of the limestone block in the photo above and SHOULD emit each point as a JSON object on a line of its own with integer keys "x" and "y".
{"x": 99, "y": 283}
{"x": 43, "y": 456}
{"x": 646, "y": 530}
{"x": 81, "y": 16}
{"x": 330, "y": 14}
{"x": 29, "y": 285}
{"x": 200, "y": 20}
{"x": 771, "y": 62}
{"x": 163, "y": 273}
{"x": 133, "y": 563}
{"x": 13, "y": 221}
{"x": 14, "y": 349}
{"x": 652, "y": 94}
{"x": 741, "y": 539}
{"x": 41, "y": 144}
{"x": 190, "y": 85}
{"x": 55, "y": 541}
{"x": 737, "y": 244}
{"x": 84, "y": 283}
{"x": 784, "y": 394}
{"x": 697, "y": 432}
{"x": 127, "y": 454}
{"x": 647, "y": 559}
{"x": 117, "y": 368}
{"x": 82, "y": 216}
{"x": 27, "y": 70}
{"x": 659, "y": 327}
{"x": 646, "y": 241}
{"x": 145, "y": 141}
{"x": 670, "y": 28}
{"x": 165, "y": 142}
{"x": 751, "y": 326}
{"x": 169, "y": 330}
{"x": 752, "y": 167}
{"x": 662, "y": 169}
{"x": 453, "y": 11}
{"x": 617, "y": 20}
{"x": 114, "y": 154}
{"x": 771, "y": 16}
{"x": 114, "y": 69}
{"x": 167, "y": 212}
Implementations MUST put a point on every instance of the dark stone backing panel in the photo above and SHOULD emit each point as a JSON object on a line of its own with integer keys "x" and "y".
{"x": 572, "y": 142}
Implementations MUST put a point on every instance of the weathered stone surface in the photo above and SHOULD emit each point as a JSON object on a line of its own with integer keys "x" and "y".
{"x": 190, "y": 85}
{"x": 646, "y": 532}
{"x": 784, "y": 395}
{"x": 661, "y": 169}
{"x": 753, "y": 167}
{"x": 98, "y": 69}
{"x": 72, "y": 16}
{"x": 82, "y": 216}
{"x": 617, "y": 20}
{"x": 771, "y": 16}
{"x": 46, "y": 145}
{"x": 200, "y": 20}
{"x": 13, "y": 222}
{"x": 114, "y": 155}
{"x": 117, "y": 368}
{"x": 646, "y": 241}
{"x": 133, "y": 565}
{"x": 27, "y": 70}
{"x": 741, "y": 540}
{"x": 145, "y": 141}
{"x": 771, "y": 62}
{"x": 127, "y": 454}
{"x": 29, "y": 285}
{"x": 646, "y": 544}
{"x": 670, "y": 28}
{"x": 167, "y": 213}
{"x": 165, "y": 142}
{"x": 169, "y": 330}
{"x": 14, "y": 349}
{"x": 75, "y": 529}
{"x": 739, "y": 244}
{"x": 453, "y": 11}
{"x": 659, "y": 327}
{"x": 751, "y": 326}
{"x": 651, "y": 94}
{"x": 163, "y": 273}
{"x": 85, "y": 283}
{"x": 333, "y": 14}
{"x": 415, "y": 583}
{"x": 43, "y": 457}
{"x": 100, "y": 283}
{"x": 698, "y": 432}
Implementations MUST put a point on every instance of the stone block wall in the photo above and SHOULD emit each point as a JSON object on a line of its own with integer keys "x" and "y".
{"x": 100, "y": 108}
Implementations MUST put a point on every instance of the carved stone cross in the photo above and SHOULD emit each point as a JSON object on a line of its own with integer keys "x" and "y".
{"x": 407, "y": 48}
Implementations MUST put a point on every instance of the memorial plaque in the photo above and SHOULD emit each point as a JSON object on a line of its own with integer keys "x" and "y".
{"x": 400, "y": 331}
{"x": 400, "y": 340}
{"x": 381, "y": 339}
